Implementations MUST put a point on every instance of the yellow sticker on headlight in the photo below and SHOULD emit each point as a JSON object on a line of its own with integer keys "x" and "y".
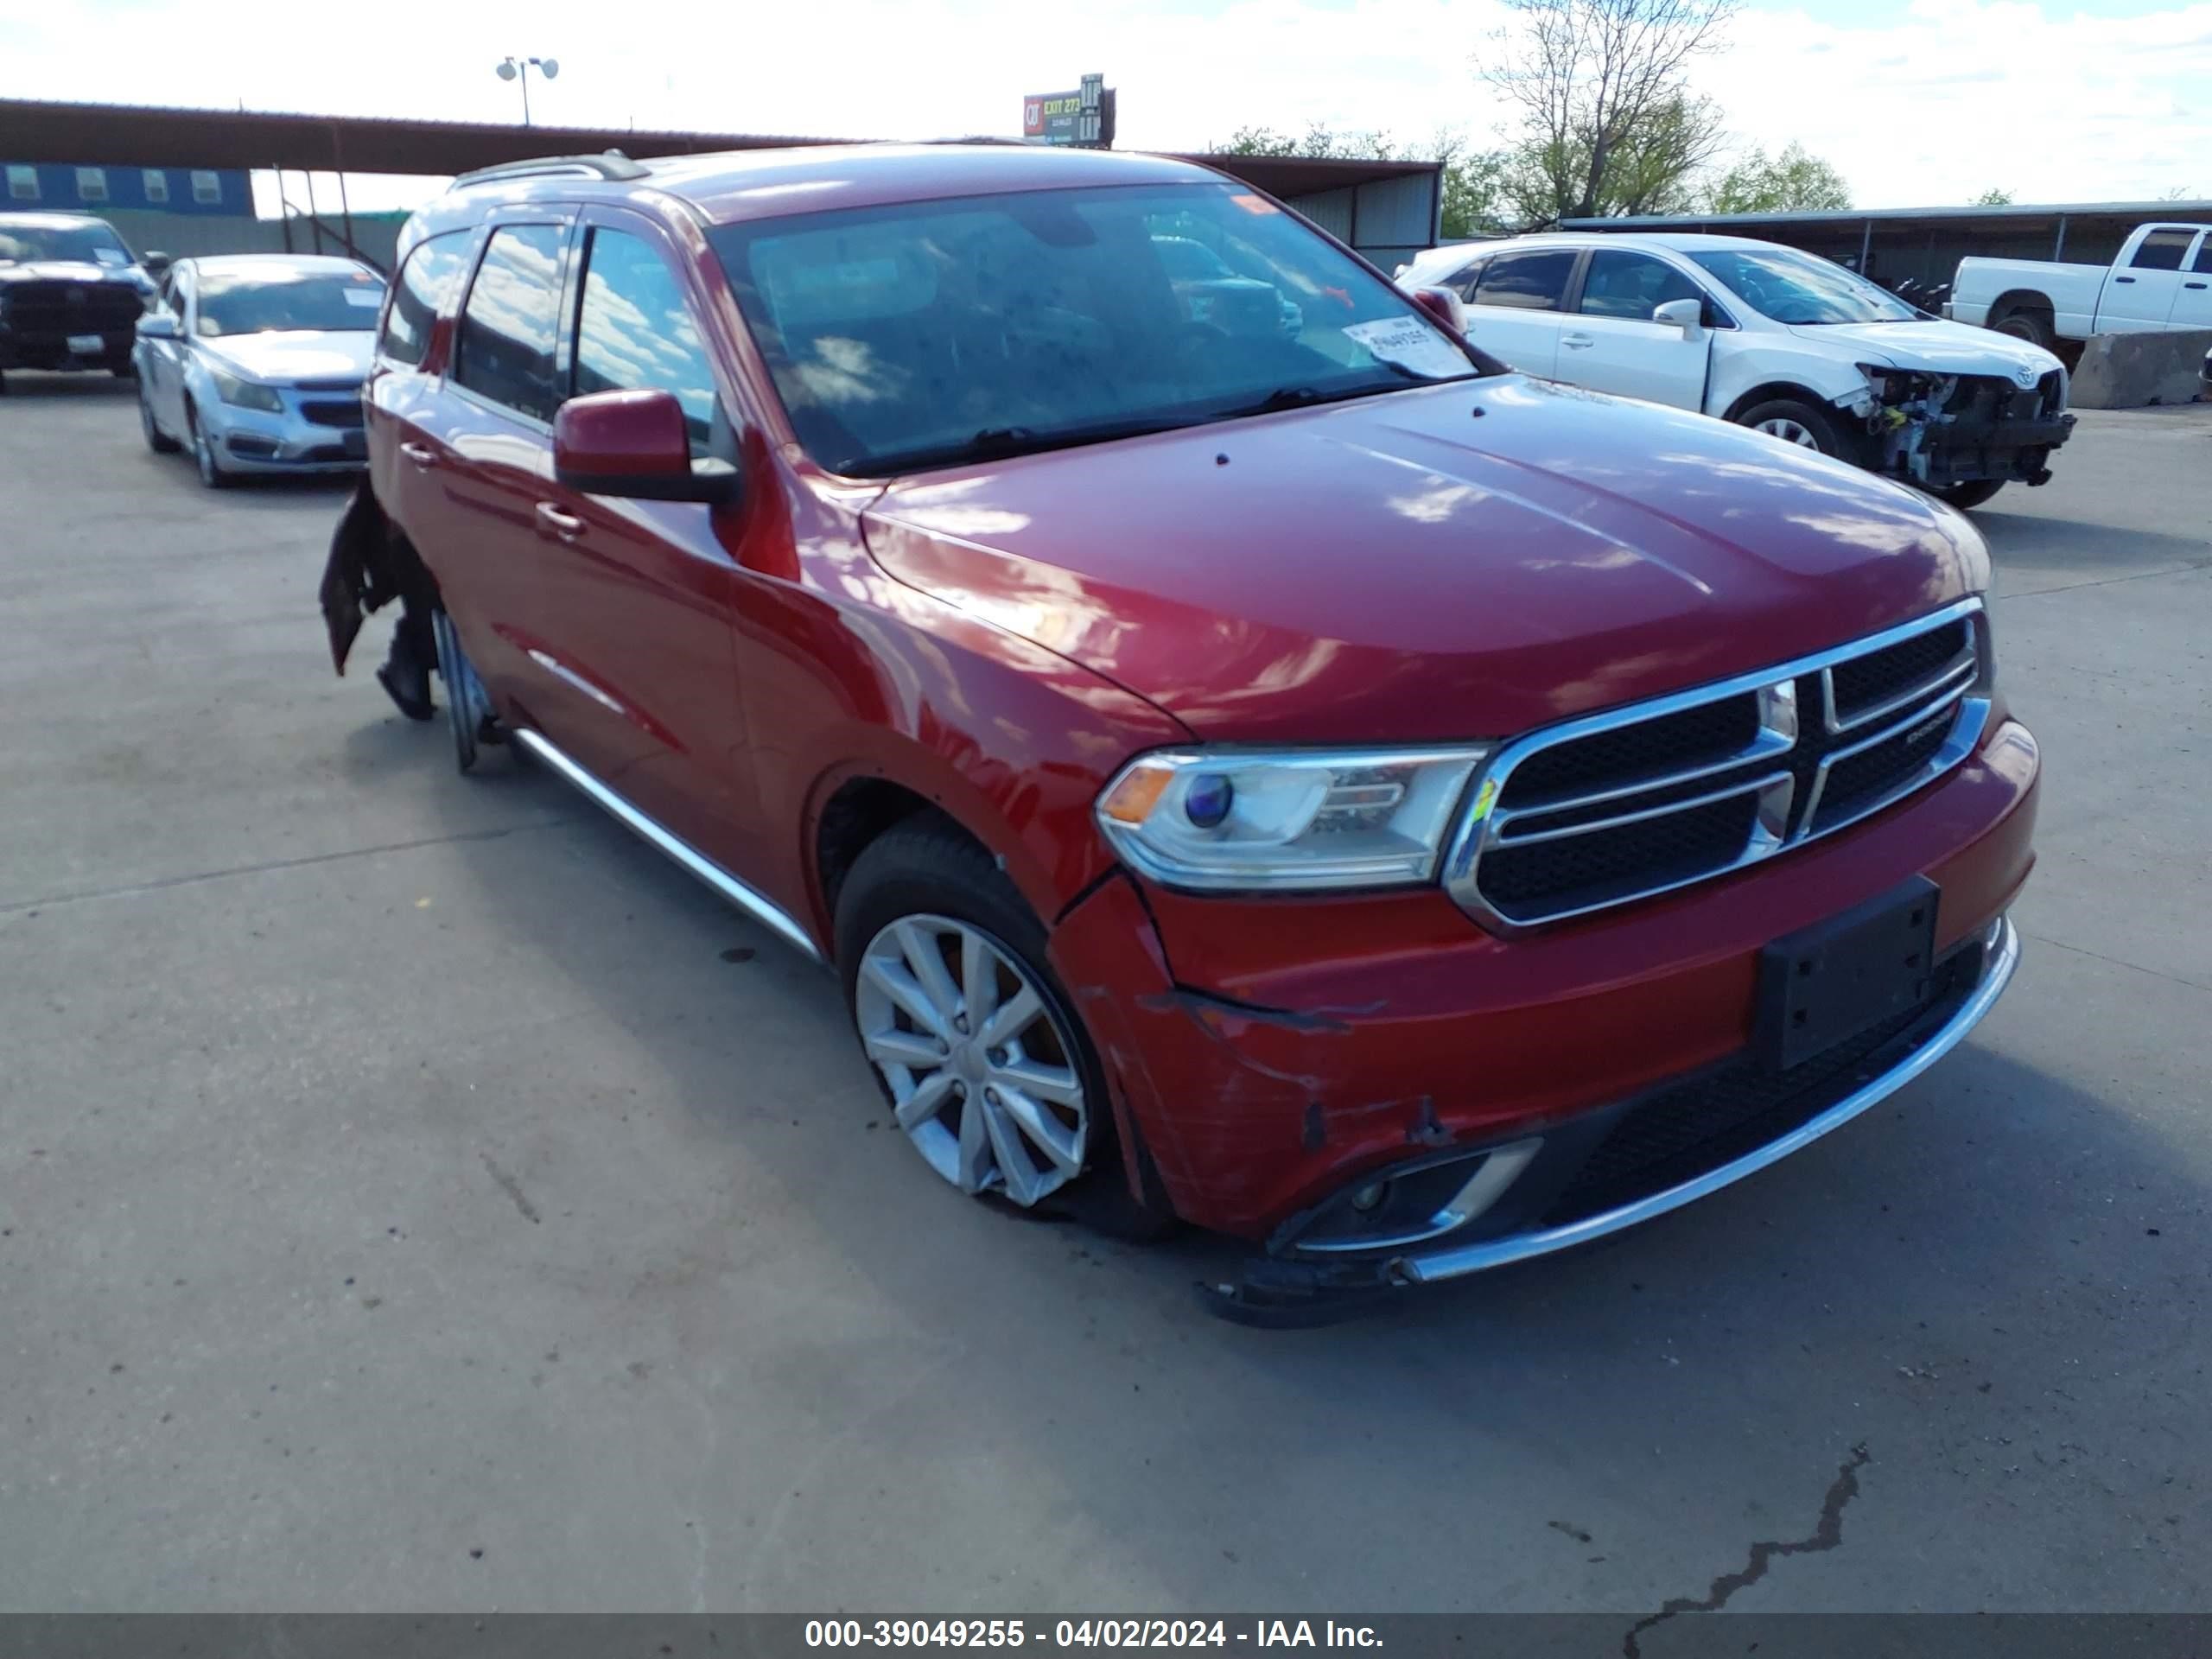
{"x": 1485, "y": 798}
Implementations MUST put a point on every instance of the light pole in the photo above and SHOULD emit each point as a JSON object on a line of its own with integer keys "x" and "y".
{"x": 519, "y": 68}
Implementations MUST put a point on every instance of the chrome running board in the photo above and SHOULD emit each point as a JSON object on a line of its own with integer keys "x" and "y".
{"x": 762, "y": 908}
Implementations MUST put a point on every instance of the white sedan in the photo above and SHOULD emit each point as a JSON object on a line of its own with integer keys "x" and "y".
{"x": 1771, "y": 338}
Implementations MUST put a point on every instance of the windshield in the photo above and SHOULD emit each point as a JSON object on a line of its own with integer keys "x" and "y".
{"x": 243, "y": 303}
{"x": 81, "y": 244}
{"x": 930, "y": 333}
{"x": 1797, "y": 288}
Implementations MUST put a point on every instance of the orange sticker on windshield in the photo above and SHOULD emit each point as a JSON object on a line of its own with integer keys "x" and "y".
{"x": 1252, "y": 204}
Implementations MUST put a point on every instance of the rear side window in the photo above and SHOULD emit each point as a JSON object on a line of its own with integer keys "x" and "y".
{"x": 1462, "y": 282}
{"x": 512, "y": 317}
{"x": 2162, "y": 250}
{"x": 2203, "y": 260}
{"x": 634, "y": 331}
{"x": 1631, "y": 284}
{"x": 424, "y": 281}
{"x": 1536, "y": 280}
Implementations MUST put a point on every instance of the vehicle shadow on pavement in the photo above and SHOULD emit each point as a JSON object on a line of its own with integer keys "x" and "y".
{"x": 1962, "y": 1163}
{"x": 2025, "y": 545}
{"x": 32, "y": 384}
{"x": 1967, "y": 1282}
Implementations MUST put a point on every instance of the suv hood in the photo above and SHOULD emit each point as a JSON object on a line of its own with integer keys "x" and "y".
{"x": 67, "y": 271}
{"x": 284, "y": 358}
{"x": 1396, "y": 569}
{"x": 1939, "y": 347}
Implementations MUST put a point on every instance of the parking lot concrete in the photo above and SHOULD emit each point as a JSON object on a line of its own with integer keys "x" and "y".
{"x": 415, "y": 1193}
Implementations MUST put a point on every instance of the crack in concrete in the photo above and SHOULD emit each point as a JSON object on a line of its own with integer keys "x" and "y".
{"x": 2117, "y": 962}
{"x": 1826, "y": 1536}
{"x": 163, "y": 883}
{"x": 512, "y": 1188}
{"x": 2189, "y": 567}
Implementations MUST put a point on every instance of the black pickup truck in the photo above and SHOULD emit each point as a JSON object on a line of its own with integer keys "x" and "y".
{"x": 71, "y": 293}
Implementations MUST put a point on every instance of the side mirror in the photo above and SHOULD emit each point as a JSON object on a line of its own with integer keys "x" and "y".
{"x": 154, "y": 264}
{"x": 1688, "y": 315}
{"x": 1444, "y": 305}
{"x": 159, "y": 325}
{"x": 636, "y": 445}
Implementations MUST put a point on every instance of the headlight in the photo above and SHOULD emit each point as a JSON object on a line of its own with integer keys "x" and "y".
{"x": 1287, "y": 819}
{"x": 245, "y": 394}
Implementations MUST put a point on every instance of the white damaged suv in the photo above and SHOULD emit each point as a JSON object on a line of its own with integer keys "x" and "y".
{"x": 1771, "y": 338}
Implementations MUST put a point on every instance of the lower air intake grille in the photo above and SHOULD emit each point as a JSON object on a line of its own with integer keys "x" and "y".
{"x": 1700, "y": 1125}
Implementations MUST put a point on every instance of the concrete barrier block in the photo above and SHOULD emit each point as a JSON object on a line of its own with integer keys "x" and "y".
{"x": 2136, "y": 371}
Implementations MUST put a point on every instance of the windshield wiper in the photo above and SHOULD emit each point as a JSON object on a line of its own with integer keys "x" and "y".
{"x": 998, "y": 443}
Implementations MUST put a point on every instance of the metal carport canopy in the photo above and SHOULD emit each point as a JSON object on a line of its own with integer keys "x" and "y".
{"x": 122, "y": 135}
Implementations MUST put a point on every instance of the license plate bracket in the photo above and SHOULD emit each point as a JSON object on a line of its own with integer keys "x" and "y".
{"x": 87, "y": 345}
{"x": 1826, "y": 983}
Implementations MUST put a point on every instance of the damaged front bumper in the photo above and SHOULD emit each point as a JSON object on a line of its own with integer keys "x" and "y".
{"x": 1941, "y": 430}
{"x": 1378, "y": 1093}
{"x": 1537, "y": 1194}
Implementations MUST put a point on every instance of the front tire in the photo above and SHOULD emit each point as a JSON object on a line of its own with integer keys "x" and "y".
{"x": 213, "y": 475}
{"x": 1798, "y": 423}
{"x": 1967, "y": 496}
{"x": 973, "y": 1041}
{"x": 156, "y": 440}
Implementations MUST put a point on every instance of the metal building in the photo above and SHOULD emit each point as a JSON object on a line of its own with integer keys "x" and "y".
{"x": 1892, "y": 243}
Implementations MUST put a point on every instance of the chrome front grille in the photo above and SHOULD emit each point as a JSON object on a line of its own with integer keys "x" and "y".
{"x": 1618, "y": 806}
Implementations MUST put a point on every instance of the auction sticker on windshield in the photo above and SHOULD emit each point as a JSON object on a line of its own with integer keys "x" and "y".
{"x": 1409, "y": 343}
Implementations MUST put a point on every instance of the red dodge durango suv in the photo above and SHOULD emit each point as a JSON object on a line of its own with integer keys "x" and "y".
{"x": 1260, "y": 763}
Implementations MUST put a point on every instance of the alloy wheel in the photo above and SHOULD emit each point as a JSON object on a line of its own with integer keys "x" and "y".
{"x": 1789, "y": 431}
{"x": 981, "y": 1075}
{"x": 468, "y": 706}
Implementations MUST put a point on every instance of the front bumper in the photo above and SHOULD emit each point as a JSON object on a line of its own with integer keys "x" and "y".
{"x": 52, "y": 350}
{"x": 1340, "y": 1045}
{"x": 256, "y": 440}
{"x": 2012, "y": 451}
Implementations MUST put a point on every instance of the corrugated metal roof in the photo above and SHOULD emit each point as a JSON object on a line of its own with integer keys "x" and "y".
{"x": 141, "y": 135}
{"x": 2176, "y": 210}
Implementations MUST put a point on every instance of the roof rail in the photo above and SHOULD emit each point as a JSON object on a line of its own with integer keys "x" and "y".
{"x": 613, "y": 164}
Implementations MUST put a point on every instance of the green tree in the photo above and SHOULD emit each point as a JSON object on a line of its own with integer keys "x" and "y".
{"x": 1793, "y": 182}
{"x": 1608, "y": 123}
{"x": 1473, "y": 179}
{"x": 1993, "y": 198}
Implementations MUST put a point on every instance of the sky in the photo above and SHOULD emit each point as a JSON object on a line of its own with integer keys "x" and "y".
{"x": 1917, "y": 102}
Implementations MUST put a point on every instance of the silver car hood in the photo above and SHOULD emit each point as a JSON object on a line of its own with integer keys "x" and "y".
{"x": 284, "y": 359}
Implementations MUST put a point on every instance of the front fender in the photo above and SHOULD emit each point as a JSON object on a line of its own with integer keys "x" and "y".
{"x": 1740, "y": 368}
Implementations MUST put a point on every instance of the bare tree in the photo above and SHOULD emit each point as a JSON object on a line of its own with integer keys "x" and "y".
{"x": 1609, "y": 124}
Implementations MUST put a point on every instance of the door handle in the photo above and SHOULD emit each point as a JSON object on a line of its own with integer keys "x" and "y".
{"x": 2192, "y": 284}
{"x": 565, "y": 526}
{"x": 420, "y": 454}
{"x": 2123, "y": 279}
{"x": 1576, "y": 342}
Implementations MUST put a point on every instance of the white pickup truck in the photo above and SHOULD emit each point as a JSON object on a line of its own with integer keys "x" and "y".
{"x": 2162, "y": 280}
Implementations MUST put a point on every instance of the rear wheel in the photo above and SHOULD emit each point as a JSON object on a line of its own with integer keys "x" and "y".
{"x": 468, "y": 705}
{"x": 2034, "y": 326}
{"x": 1799, "y": 423}
{"x": 973, "y": 1041}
